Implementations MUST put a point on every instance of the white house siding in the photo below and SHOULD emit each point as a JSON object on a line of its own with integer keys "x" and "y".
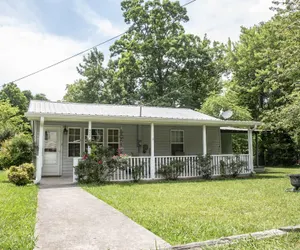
{"x": 192, "y": 139}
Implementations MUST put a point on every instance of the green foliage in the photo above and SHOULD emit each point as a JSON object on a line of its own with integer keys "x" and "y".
{"x": 99, "y": 165}
{"x": 137, "y": 172}
{"x": 10, "y": 121}
{"x": 29, "y": 168}
{"x": 232, "y": 167}
{"x": 16, "y": 151}
{"x": 172, "y": 170}
{"x": 90, "y": 89}
{"x": 157, "y": 58}
{"x": 203, "y": 166}
{"x": 181, "y": 212}
{"x": 215, "y": 103}
{"x": 18, "y": 176}
{"x": 11, "y": 93}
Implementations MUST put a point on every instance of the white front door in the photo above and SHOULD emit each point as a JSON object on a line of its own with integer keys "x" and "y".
{"x": 51, "y": 166}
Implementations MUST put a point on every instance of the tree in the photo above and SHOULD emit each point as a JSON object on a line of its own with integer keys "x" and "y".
{"x": 157, "y": 63}
{"x": 11, "y": 122}
{"x": 39, "y": 96}
{"x": 90, "y": 88}
{"x": 228, "y": 101}
{"x": 11, "y": 92}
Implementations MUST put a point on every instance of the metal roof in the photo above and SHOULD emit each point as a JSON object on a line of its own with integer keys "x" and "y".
{"x": 61, "y": 108}
{"x": 61, "y": 111}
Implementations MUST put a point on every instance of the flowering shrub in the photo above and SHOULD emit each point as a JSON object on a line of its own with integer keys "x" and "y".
{"x": 100, "y": 164}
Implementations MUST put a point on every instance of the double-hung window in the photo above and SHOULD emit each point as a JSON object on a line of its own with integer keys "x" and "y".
{"x": 97, "y": 137}
{"x": 74, "y": 142}
{"x": 177, "y": 142}
{"x": 113, "y": 138}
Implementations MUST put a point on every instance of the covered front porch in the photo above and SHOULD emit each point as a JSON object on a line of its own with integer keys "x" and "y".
{"x": 151, "y": 164}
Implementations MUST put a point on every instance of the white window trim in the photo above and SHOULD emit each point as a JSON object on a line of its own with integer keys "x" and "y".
{"x": 91, "y": 135}
{"x": 107, "y": 142}
{"x": 73, "y": 142}
{"x": 176, "y": 130}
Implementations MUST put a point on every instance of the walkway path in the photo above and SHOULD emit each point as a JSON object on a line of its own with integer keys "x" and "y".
{"x": 70, "y": 218}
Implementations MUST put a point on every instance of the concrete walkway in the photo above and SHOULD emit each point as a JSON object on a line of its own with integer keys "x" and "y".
{"x": 70, "y": 218}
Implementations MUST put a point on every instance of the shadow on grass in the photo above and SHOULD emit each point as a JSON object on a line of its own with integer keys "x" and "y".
{"x": 194, "y": 180}
{"x": 4, "y": 181}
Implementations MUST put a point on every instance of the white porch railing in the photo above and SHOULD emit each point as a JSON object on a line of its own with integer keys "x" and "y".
{"x": 189, "y": 170}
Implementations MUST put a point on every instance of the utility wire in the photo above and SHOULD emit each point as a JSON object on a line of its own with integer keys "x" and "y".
{"x": 81, "y": 52}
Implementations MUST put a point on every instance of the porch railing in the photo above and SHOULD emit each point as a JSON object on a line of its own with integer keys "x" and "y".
{"x": 144, "y": 162}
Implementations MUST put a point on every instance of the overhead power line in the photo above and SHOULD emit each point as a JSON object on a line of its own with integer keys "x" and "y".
{"x": 80, "y": 53}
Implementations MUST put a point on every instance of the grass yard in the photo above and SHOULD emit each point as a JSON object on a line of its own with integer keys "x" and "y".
{"x": 287, "y": 242}
{"x": 17, "y": 215}
{"x": 190, "y": 211}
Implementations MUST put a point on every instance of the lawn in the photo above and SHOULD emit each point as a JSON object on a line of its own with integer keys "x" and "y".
{"x": 17, "y": 215}
{"x": 287, "y": 242}
{"x": 189, "y": 211}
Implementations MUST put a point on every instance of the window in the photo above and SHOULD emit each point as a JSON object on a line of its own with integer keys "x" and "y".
{"x": 113, "y": 139}
{"x": 74, "y": 142}
{"x": 97, "y": 137}
{"x": 177, "y": 142}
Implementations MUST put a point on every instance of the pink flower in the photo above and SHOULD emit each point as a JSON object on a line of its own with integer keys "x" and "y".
{"x": 85, "y": 157}
{"x": 100, "y": 162}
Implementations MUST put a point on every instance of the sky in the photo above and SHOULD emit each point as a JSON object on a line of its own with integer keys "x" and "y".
{"x": 38, "y": 33}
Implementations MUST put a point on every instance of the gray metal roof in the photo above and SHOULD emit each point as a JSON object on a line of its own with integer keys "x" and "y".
{"x": 79, "y": 109}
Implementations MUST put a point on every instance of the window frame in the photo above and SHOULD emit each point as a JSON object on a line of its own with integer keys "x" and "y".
{"x": 84, "y": 142}
{"x": 80, "y": 140}
{"x": 107, "y": 142}
{"x": 183, "y": 144}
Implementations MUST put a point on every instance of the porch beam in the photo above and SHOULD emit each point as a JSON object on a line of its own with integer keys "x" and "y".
{"x": 89, "y": 136}
{"x": 250, "y": 148}
{"x": 152, "y": 160}
{"x": 40, "y": 160}
{"x": 204, "y": 140}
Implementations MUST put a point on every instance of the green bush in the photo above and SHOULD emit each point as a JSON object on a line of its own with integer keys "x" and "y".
{"x": 204, "y": 166}
{"x": 29, "y": 168}
{"x": 18, "y": 176}
{"x": 137, "y": 172}
{"x": 100, "y": 165}
{"x": 16, "y": 151}
{"x": 232, "y": 167}
{"x": 173, "y": 170}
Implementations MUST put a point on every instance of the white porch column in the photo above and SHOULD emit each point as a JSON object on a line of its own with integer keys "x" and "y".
{"x": 204, "y": 140}
{"x": 152, "y": 161}
{"x": 89, "y": 136}
{"x": 250, "y": 149}
{"x": 40, "y": 160}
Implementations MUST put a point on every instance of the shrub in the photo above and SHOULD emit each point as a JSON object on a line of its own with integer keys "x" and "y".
{"x": 137, "y": 172}
{"x": 29, "y": 168}
{"x": 204, "y": 166}
{"x": 16, "y": 151}
{"x": 173, "y": 170}
{"x": 233, "y": 167}
{"x": 18, "y": 176}
{"x": 99, "y": 165}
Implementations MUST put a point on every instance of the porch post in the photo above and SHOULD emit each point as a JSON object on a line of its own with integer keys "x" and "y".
{"x": 152, "y": 161}
{"x": 204, "y": 140}
{"x": 89, "y": 136}
{"x": 40, "y": 160}
{"x": 250, "y": 149}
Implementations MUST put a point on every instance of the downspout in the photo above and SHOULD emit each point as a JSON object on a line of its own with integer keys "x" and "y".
{"x": 38, "y": 173}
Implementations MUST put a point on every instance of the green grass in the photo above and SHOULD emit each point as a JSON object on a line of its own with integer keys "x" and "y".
{"x": 17, "y": 215}
{"x": 182, "y": 212}
{"x": 287, "y": 242}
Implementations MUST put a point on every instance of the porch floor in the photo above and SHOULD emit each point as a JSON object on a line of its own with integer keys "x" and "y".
{"x": 70, "y": 218}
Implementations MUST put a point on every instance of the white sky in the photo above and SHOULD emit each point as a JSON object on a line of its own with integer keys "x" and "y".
{"x": 26, "y": 45}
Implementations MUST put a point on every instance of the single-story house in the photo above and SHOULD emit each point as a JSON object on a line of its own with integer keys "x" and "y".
{"x": 153, "y": 136}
